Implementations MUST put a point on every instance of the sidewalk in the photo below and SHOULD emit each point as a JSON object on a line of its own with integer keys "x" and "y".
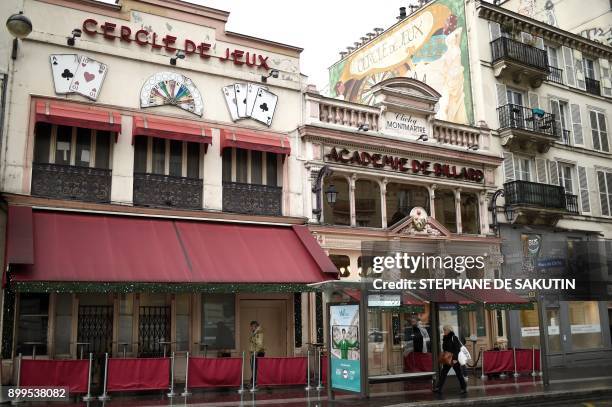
{"x": 587, "y": 384}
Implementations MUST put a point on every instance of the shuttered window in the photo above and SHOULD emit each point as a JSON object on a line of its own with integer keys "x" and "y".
{"x": 579, "y": 69}
{"x": 541, "y": 170}
{"x": 508, "y": 167}
{"x": 604, "y": 181}
{"x": 569, "y": 66}
{"x": 553, "y": 172}
{"x": 583, "y": 184}
{"x": 599, "y": 130}
{"x": 577, "y": 124}
{"x": 494, "y": 30}
{"x": 606, "y": 77}
{"x": 502, "y": 98}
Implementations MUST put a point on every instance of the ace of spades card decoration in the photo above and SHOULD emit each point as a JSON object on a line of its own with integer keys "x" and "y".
{"x": 249, "y": 100}
{"x": 74, "y": 74}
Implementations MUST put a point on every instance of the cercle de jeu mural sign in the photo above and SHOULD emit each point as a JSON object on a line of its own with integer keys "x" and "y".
{"x": 430, "y": 45}
{"x": 403, "y": 164}
{"x": 171, "y": 43}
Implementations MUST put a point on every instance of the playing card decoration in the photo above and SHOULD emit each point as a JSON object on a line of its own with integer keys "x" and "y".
{"x": 74, "y": 74}
{"x": 250, "y": 100}
{"x": 167, "y": 88}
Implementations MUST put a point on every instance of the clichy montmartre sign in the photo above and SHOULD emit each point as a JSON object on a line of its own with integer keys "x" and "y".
{"x": 403, "y": 164}
{"x": 402, "y": 124}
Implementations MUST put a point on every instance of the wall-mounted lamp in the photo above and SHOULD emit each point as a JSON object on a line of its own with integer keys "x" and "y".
{"x": 179, "y": 55}
{"x": 363, "y": 127}
{"x": 76, "y": 33}
{"x": 472, "y": 147}
{"x": 330, "y": 194}
{"x": 19, "y": 26}
{"x": 273, "y": 74}
{"x": 423, "y": 137}
{"x": 508, "y": 209}
{"x": 509, "y": 212}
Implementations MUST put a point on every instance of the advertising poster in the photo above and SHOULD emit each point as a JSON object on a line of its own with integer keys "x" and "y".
{"x": 344, "y": 331}
{"x": 429, "y": 45}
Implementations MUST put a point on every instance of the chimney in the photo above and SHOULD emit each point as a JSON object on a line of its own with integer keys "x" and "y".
{"x": 402, "y": 13}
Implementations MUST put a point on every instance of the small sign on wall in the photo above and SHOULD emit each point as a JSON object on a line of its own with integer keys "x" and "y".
{"x": 74, "y": 74}
{"x": 405, "y": 125}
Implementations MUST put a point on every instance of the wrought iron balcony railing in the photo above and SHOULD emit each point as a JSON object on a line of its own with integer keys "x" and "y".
{"x": 538, "y": 195}
{"x": 252, "y": 199}
{"x": 555, "y": 75}
{"x": 523, "y": 118}
{"x": 507, "y": 48}
{"x": 592, "y": 86}
{"x": 71, "y": 182}
{"x": 166, "y": 190}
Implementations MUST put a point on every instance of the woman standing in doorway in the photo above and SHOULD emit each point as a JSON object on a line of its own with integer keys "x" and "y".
{"x": 450, "y": 343}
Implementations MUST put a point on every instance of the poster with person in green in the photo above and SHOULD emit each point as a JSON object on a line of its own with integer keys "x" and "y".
{"x": 345, "y": 352}
{"x": 345, "y": 344}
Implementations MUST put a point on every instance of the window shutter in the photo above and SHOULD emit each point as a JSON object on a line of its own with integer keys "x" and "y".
{"x": 606, "y": 77}
{"x": 494, "y": 30}
{"x": 539, "y": 42}
{"x": 552, "y": 57}
{"x": 553, "y": 172}
{"x": 579, "y": 69}
{"x": 603, "y": 132}
{"x": 556, "y": 110}
{"x": 502, "y": 98}
{"x": 534, "y": 100}
{"x": 508, "y": 167}
{"x": 585, "y": 204}
{"x": 594, "y": 129}
{"x": 603, "y": 196}
{"x": 569, "y": 66}
{"x": 541, "y": 170}
{"x": 577, "y": 124}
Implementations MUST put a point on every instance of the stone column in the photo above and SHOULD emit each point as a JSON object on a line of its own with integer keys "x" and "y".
{"x": 383, "y": 202}
{"x": 458, "y": 210}
{"x": 484, "y": 212}
{"x": 432, "y": 200}
{"x": 351, "y": 182}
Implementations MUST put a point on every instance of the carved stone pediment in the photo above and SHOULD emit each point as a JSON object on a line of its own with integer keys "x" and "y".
{"x": 418, "y": 223}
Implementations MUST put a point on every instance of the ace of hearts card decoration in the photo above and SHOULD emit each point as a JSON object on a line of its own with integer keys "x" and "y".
{"x": 74, "y": 74}
{"x": 250, "y": 100}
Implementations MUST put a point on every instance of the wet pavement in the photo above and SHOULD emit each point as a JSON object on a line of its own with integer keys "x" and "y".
{"x": 588, "y": 387}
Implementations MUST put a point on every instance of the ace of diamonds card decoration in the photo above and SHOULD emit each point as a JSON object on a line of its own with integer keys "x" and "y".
{"x": 74, "y": 74}
{"x": 246, "y": 100}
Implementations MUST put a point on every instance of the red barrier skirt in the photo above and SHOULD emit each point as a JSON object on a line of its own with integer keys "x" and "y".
{"x": 209, "y": 372}
{"x": 281, "y": 371}
{"x": 56, "y": 373}
{"x": 138, "y": 374}
{"x": 323, "y": 369}
{"x": 498, "y": 361}
{"x": 525, "y": 361}
{"x": 418, "y": 362}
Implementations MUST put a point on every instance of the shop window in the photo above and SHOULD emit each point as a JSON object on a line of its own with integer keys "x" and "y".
{"x": 183, "y": 306}
{"x": 175, "y": 158}
{"x": 445, "y": 209}
{"x": 500, "y": 321}
{"x": 367, "y": 204}
{"x": 401, "y": 198}
{"x": 470, "y": 220}
{"x": 554, "y": 331}
{"x": 342, "y": 263}
{"x": 76, "y": 146}
{"x": 530, "y": 328}
{"x": 63, "y": 323}
{"x": 585, "y": 325}
{"x": 250, "y": 167}
{"x": 32, "y": 324}
{"x": 126, "y": 322}
{"x": 219, "y": 321}
{"x": 481, "y": 326}
{"x": 375, "y": 327}
{"x": 339, "y": 213}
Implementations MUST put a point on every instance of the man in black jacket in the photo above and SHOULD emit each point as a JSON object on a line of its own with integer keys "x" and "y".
{"x": 450, "y": 343}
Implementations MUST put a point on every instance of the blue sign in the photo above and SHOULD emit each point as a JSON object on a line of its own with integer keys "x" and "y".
{"x": 346, "y": 374}
{"x": 344, "y": 340}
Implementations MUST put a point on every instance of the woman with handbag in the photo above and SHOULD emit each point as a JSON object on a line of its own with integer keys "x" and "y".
{"x": 451, "y": 346}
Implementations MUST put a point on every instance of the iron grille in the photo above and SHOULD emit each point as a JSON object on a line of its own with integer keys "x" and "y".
{"x": 555, "y": 75}
{"x": 519, "y": 117}
{"x": 153, "y": 329}
{"x": 507, "y": 48}
{"x": 96, "y": 328}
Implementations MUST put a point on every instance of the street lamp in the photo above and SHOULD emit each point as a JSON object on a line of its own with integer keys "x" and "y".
{"x": 509, "y": 212}
{"x": 19, "y": 26}
{"x": 331, "y": 193}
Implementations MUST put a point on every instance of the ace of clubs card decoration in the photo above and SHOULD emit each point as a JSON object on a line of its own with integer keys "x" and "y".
{"x": 63, "y": 68}
{"x": 265, "y": 105}
{"x": 89, "y": 77}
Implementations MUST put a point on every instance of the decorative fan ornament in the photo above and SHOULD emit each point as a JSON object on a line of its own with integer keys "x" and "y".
{"x": 168, "y": 88}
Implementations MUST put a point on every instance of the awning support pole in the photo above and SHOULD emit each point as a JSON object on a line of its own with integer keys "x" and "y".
{"x": 483, "y": 376}
{"x": 363, "y": 341}
{"x": 514, "y": 356}
{"x": 186, "y": 392}
{"x": 533, "y": 372}
{"x": 320, "y": 385}
{"x": 104, "y": 396}
{"x": 89, "y": 397}
{"x": 171, "y": 393}
{"x": 543, "y": 358}
{"x": 254, "y": 373}
{"x": 308, "y": 386}
{"x": 16, "y": 400}
{"x": 241, "y": 389}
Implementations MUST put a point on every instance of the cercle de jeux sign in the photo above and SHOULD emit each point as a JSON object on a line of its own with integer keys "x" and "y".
{"x": 171, "y": 43}
{"x": 402, "y": 164}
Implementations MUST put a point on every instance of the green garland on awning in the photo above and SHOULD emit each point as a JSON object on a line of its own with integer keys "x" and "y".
{"x": 140, "y": 287}
{"x": 506, "y": 307}
{"x": 403, "y": 308}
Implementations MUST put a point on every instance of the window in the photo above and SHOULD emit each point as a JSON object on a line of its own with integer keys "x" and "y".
{"x": 167, "y": 157}
{"x": 340, "y": 212}
{"x": 565, "y": 178}
{"x": 63, "y": 323}
{"x": 554, "y": 332}
{"x": 367, "y": 204}
{"x": 585, "y": 326}
{"x": 523, "y": 168}
{"x": 250, "y": 167}
{"x": 514, "y": 97}
{"x": 599, "y": 130}
{"x": 589, "y": 68}
{"x": 446, "y": 213}
{"x": 401, "y": 198}
{"x": 500, "y": 322}
{"x": 470, "y": 219}
{"x": 604, "y": 180}
{"x": 76, "y": 146}
{"x": 530, "y": 328}
{"x": 219, "y": 321}
{"x": 32, "y": 324}
{"x": 553, "y": 56}
{"x": 182, "y": 305}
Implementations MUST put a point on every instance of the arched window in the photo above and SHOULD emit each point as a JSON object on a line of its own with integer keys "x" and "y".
{"x": 339, "y": 213}
{"x": 469, "y": 213}
{"x": 401, "y": 198}
{"x": 445, "y": 209}
{"x": 367, "y": 203}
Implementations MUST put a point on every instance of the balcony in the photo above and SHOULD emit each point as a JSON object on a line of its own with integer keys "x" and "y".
{"x": 555, "y": 75}
{"x": 167, "y": 191}
{"x": 519, "y": 61}
{"x": 71, "y": 182}
{"x": 539, "y": 204}
{"x": 592, "y": 86}
{"x": 252, "y": 199}
{"x": 525, "y": 129}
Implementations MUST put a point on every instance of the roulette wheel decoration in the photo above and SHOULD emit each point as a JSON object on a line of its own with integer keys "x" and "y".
{"x": 168, "y": 88}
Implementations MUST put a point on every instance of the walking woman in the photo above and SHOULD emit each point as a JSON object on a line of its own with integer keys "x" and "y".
{"x": 451, "y": 344}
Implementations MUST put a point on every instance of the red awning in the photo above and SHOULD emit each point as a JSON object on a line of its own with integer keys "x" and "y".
{"x": 495, "y": 296}
{"x": 19, "y": 245}
{"x": 71, "y": 247}
{"x": 183, "y": 130}
{"x": 255, "y": 141}
{"x": 71, "y": 114}
{"x": 409, "y": 299}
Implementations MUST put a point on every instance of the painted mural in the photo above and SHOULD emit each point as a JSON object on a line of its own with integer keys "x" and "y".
{"x": 429, "y": 45}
